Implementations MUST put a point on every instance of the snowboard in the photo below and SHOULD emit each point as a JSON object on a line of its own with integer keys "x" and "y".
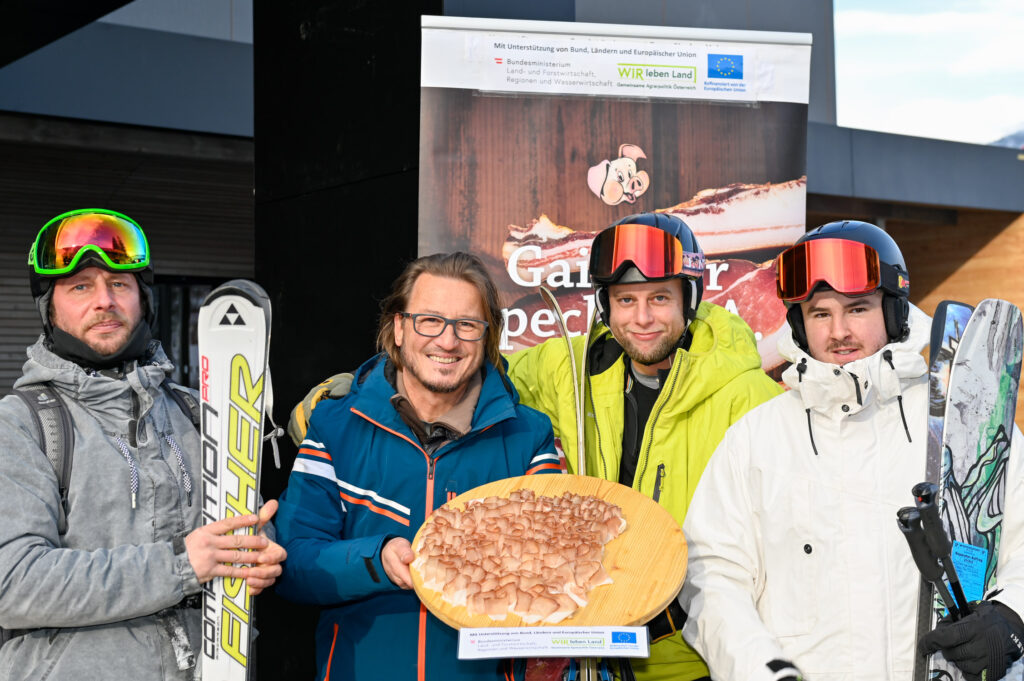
{"x": 970, "y": 463}
{"x": 234, "y": 340}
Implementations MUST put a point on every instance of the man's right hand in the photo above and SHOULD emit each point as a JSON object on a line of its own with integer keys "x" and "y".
{"x": 211, "y": 547}
{"x": 396, "y": 556}
{"x": 335, "y": 387}
{"x": 983, "y": 645}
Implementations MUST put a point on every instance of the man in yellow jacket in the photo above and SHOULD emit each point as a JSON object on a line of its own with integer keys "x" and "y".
{"x": 664, "y": 376}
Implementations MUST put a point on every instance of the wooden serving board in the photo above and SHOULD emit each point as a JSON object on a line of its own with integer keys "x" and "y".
{"x": 647, "y": 562}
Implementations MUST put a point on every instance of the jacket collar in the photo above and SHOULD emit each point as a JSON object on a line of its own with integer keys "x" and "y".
{"x": 103, "y": 393}
{"x": 879, "y": 377}
{"x": 722, "y": 347}
{"x": 373, "y": 392}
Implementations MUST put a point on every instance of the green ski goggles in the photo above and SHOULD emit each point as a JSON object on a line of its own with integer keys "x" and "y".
{"x": 65, "y": 240}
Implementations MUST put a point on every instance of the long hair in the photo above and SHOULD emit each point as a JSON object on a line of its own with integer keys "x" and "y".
{"x": 457, "y": 265}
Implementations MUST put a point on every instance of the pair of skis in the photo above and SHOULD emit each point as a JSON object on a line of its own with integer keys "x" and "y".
{"x": 974, "y": 372}
{"x": 579, "y": 374}
{"x": 235, "y": 395}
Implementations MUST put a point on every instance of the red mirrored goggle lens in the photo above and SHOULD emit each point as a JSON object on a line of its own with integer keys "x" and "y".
{"x": 849, "y": 267}
{"x": 120, "y": 242}
{"x": 654, "y": 252}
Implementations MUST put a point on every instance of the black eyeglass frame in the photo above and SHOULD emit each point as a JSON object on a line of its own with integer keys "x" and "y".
{"x": 414, "y": 316}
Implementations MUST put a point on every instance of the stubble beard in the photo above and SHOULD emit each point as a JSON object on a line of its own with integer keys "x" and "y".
{"x": 101, "y": 346}
{"x": 659, "y": 354}
{"x": 426, "y": 383}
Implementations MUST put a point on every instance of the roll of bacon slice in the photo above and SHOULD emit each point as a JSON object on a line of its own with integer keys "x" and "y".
{"x": 741, "y": 218}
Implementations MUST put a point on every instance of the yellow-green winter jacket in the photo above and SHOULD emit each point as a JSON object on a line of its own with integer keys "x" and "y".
{"x": 708, "y": 388}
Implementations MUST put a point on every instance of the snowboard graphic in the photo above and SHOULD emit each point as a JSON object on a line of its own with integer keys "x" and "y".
{"x": 234, "y": 339}
{"x": 977, "y": 425}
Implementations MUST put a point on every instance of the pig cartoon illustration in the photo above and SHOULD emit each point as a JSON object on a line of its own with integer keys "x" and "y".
{"x": 617, "y": 181}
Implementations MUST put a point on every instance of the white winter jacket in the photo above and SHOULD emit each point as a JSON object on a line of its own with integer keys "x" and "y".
{"x": 794, "y": 549}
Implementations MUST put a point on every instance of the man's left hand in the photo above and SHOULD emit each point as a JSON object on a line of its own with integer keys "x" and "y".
{"x": 395, "y": 557}
{"x": 984, "y": 645}
{"x": 268, "y": 565}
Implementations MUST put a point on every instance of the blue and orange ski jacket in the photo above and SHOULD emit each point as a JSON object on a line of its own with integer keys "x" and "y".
{"x": 361, "y": 477}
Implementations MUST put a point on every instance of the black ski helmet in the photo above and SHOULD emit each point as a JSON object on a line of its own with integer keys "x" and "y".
{"x": 894, "y": 279}
{"x": 42, "y": 284}
{"x": 629, "y": 272}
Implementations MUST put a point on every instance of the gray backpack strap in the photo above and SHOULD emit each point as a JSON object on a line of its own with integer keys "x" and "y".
{"x": 187, "y": 402}
{"x": 57, "y": 434}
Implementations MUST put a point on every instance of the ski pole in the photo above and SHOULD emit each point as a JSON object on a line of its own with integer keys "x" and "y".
{"x": 908, "y": 519}
{"x": 925, "y": 495}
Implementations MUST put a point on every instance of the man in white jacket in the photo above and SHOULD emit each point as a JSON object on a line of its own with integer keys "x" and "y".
{"x": 797, "y": 568}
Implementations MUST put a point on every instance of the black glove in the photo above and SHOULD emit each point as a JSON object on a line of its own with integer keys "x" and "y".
{"x": 984, "y": 645}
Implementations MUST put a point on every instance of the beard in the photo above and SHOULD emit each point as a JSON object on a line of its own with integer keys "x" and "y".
{"x": 410, "y": 365}
{"x": 113, "y": 343}
{"x": 656, "y": 355}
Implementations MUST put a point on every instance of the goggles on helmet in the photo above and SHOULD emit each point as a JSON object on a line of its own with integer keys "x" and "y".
{"x": 66, "y": 239}
{"x": 656, "y": 253}
{"x": 849, "y": 267}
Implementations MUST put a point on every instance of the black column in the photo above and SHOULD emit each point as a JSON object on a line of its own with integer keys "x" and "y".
{"x": 336, "y": 140}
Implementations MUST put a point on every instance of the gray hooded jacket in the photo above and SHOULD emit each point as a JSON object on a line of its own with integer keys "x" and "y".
{"x": 103, "y": 601}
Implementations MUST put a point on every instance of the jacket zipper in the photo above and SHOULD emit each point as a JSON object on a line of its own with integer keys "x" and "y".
{"x": 597, "y": 429}
{"x": 657, "y": 482}
{"x": 428, "y": 508}
{"x": 638, "y": 482}
{"x": 133, "y": 424}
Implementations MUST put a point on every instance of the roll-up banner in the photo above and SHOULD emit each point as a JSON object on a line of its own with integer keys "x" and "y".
{"x": 536, "y": 135}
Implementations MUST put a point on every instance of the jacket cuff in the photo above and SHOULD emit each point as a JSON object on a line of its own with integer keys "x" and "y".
{"x": 183, "y": 567}
{"x": 375, "y": 565}
{"x": 1011, "y": 595}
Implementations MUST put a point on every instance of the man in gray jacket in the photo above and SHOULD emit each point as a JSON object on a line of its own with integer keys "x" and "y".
{"x": 102, "y": 579}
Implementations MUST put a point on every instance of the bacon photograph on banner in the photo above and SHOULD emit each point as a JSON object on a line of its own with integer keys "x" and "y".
{"x": 536, "y": 135}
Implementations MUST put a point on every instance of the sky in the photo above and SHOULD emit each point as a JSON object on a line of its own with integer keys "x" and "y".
{"x": 948, "y": 69}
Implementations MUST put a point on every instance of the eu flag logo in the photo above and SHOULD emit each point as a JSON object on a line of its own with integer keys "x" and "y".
{"x": 725, "y": 66}
{"x": 623, "y": 637}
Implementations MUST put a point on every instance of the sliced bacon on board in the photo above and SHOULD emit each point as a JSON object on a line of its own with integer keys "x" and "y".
{"x": 536, "y": 557}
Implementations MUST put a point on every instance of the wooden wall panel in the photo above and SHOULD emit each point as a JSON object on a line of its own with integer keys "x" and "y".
{"x": 981, "y": 256}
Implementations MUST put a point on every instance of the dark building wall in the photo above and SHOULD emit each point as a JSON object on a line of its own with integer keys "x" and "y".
{"x": 336, "y": 121}
{"x": 336, "y": 135}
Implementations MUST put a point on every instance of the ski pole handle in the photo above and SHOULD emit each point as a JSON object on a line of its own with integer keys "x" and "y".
{"x": 908, "y": 519}
{"x": 925, "y": 496}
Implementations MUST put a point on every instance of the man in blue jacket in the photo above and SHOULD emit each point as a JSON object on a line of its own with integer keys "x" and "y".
{"x": 430, "y": 417}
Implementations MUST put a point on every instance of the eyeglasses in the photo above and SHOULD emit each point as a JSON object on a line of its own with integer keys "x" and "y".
{"x": 849, "y": 267}
{"x": 66, "y": 239}
{"x": 432, "y": 326}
